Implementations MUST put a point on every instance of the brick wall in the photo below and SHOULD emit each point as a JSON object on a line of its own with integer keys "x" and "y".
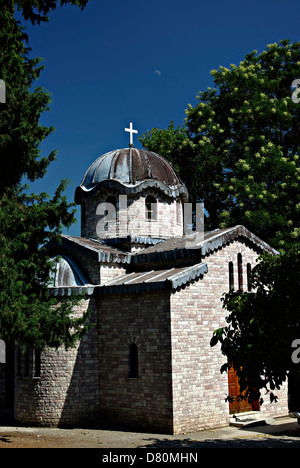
{"x": 67, "y": 391}
{"x": 199, "y": 389}
{"x": 133, "y": 220}
{"x": 179, "y": 386}
{"x": 143, "y": 319}
{"x": 2, "y": 385}
{"x": 110, "y": 271}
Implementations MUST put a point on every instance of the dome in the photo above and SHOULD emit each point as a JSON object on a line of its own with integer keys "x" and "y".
{"x": 131, "y": 170}
{"x": 67, "y": 273}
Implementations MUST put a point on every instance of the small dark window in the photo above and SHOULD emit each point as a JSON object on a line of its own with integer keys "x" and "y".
{"x": 37, "y": 363}
{"x": 111, "y": 212}
{"x": 82, "y": 213}
{"x": 178, "y": 212}
{"x": 2, "y": 352}
{"x": 26, "y": 362}
{"x": 231, "y": 276}
{"x": 133, "y": 371}
{"x": 19, "y": 363}
{"x": 151, "y": 208}
{"x": 240, "y": 271}
{"x": 249, "y": 276}
{"x": 113, "y": 201}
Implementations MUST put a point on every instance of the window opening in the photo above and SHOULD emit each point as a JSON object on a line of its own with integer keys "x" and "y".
{"x": 2, "y": 352}
{"x": 110, "y": 212}
{"x": 26, "y": 362}
{"x": 249, "y": 276}
{"x": 178, "y": 212}
{"x": 151, "y": 208}
{"x": 82, "y": 213}
{"x": 133, "y": 372}
{"x": 240, "y": 271}
{"x": 37, "y": 363}
{"x": 19, "y": 362}
{"x": 113, "y": 201}
{"x": 231, "y": 276}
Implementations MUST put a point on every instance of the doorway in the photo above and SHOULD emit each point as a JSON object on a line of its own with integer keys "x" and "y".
{"x": 237, "y": 405}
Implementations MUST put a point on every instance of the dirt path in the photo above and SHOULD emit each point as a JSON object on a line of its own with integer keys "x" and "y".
{"x": 284, "y": 433}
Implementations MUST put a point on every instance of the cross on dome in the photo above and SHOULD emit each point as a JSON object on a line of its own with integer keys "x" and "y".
{"x": 131, "y": 131}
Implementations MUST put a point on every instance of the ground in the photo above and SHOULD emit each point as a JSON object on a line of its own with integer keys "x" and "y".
{"x": 282, "y": 432}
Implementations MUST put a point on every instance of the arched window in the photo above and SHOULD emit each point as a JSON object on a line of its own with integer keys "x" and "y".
{"x": 178, "y": 212}
{"x": 82, "y": 213}
{"x": 133, "y": 365}
{"x": 19, "y": 362}
{"x": 113, "y": 201}
{"x": 231, "y": 276}
{"x": 26, "y": 362}
{"x": 151, "y": 208}
{"x": 110, "y": 214}
{"x": 249, "y": 276}
{"x": 2, "y": 352}
{"x": 37, "y": 363}
{"x": 240, "y": 271}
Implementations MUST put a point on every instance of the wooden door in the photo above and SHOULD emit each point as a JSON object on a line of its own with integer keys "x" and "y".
{"x": 236, "y": 405}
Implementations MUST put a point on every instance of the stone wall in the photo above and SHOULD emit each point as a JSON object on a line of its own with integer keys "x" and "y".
{"x": 143, "y": 319}
{"x": 199, "y": 389}
{"x": 110, "y": 271}
{"x": 131, "y": 218}
{"x": 67, "y": 390}
{"x": 179, "y": 387}
{"x": 2, "y": 385}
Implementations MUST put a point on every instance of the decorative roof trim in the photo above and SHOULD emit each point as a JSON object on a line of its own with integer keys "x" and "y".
{"x": 188, "y": 275}
{"x": 69, "y": 291}
{"x": 67, "y": 272}
{"x": 153, "y": 280}
{"x": 131, "y": 170}
{"x": 231, "y": 234}
{"x": 170, "y": 191}
{"x": 186, "y": 247}
{"x": 98, "y": 250}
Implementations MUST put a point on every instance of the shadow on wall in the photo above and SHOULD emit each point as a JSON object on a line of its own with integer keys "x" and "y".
{"x": 81, "y": 403}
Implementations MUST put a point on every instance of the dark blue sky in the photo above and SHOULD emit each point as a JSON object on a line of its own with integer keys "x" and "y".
{"x": 121, "y": 61}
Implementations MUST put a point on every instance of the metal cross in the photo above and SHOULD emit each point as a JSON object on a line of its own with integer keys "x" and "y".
{"x": 131, "y": 131}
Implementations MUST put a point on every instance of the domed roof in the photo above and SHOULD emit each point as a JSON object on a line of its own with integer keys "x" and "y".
{"x": 131, "y": 170}
{"x": 67, "y": 273}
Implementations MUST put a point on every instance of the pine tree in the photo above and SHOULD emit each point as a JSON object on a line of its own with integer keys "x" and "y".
{"x": 28, "y": 315}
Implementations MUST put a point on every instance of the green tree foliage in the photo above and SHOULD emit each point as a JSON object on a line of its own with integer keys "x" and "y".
{"x": 37, "y": 10}
{"x": 28, "y": 315}
{"x": 171, "y": 143}
{"x": 241, "y": 142}
{"x": 262, "y": 326}
{"x": 242, "y": 145}
{"x": 167, "y": 143}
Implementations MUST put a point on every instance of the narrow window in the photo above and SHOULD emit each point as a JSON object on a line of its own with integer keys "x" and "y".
{"x": 133, "y": 372}
{"x": 113, "y": 201}
{"x": 37, "y": 363}
{"x": 151, "y": 208}
{"x": 231, "y": 276}
{"x": 26, "y": 359}
{"x": 249, "y": 276}
{"x": 111, "y": 211}
{"x": 2, "y": 352}
{"x": 19, "y": 362}
{"x": 178, "y": 212}
{"x": 240, "y": 271}
{"x": 82, "y": 213}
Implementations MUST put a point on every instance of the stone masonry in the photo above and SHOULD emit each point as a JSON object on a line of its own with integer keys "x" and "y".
{"x": 155, "y": 299}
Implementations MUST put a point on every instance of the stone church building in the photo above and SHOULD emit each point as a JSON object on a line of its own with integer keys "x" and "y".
{"x": 155, "y": 295}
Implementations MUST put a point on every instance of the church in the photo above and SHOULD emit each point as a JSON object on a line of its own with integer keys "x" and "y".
{"x": 154, "y": 289}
